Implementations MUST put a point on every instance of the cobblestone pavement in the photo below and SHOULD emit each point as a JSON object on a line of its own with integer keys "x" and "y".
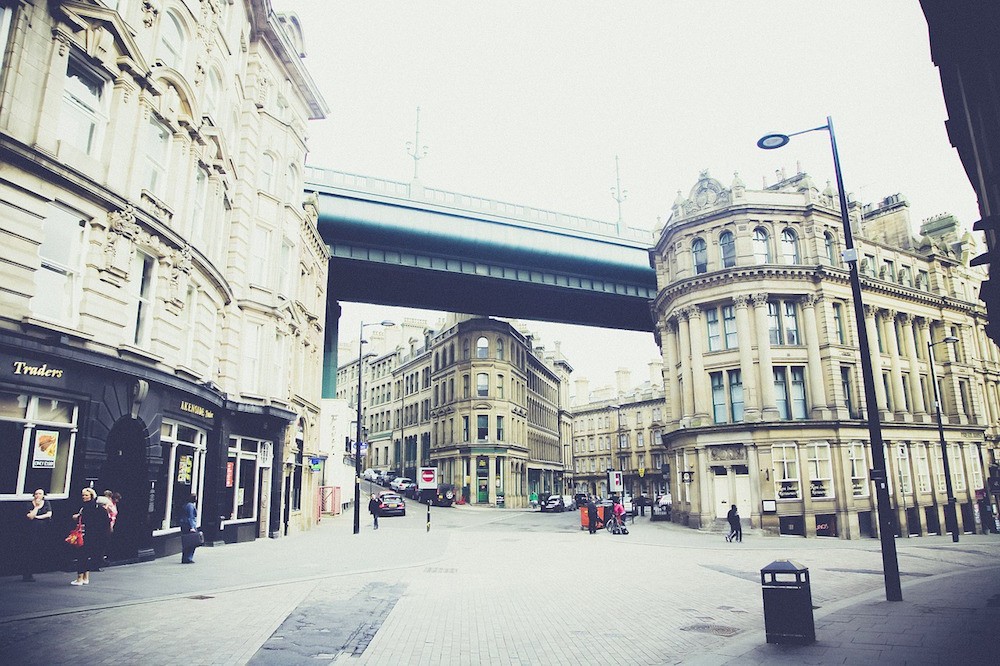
{"x": 507, "y": 587}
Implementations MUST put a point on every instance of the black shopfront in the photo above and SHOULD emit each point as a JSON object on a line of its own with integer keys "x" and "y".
{"x": 71, "y": 418}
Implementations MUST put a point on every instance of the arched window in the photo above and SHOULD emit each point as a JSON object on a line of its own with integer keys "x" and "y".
{"x": 829, "y": 245}
{"x": 213, "y": 95}
{"x": 482, "y": 385}
{"x": 761, "y": 246}
{"x": 699, "y": 256}
{"x": 789, "y": 247}
{"x": 267, "y": 173}
{"x": 500, "y": 349}
{"x": 482, "y": 348}
{"x": 727, "y": 248}
{"x": 172, "y": 38}
{"x": 293, "y": 190}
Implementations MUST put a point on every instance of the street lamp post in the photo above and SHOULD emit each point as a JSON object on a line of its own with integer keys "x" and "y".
{"x": 890, "y": 565}
{"x": 357, "y": 441}
{"x": 950, "y": 517}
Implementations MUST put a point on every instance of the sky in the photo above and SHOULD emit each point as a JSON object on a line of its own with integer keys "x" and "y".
{"x": 530, "y": 102}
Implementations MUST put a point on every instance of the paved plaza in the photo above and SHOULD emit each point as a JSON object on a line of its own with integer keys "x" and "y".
{"x": 493, "y": 586}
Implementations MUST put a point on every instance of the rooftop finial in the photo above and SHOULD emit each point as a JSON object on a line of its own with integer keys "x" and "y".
{"x": 619, "y": 195}
{"x": 415, "y": 150}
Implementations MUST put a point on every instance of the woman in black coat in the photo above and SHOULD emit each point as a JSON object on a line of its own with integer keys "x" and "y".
{"x": 95, "y": 523}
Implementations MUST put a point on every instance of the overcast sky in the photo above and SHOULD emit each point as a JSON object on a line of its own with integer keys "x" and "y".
{"x": 530, "y": 102}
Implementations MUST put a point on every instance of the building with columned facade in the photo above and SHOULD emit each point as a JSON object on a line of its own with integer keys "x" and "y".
{"x": 477, "y": 399}
{"x": 162, "y": 305}
{"x": 762, "y": 378}
{"x": 619, "y": 428}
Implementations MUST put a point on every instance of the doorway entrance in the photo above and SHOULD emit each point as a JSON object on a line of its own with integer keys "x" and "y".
{"x": 125, "y": 472}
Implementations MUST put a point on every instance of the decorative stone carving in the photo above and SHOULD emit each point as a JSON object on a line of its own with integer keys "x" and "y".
{"x": 119, "y": 244}
{"x": 741, "y": 300}
{"x": 150, "y": 10}
{"x": 727, "y": 452}
{"x": 62, "y": 41}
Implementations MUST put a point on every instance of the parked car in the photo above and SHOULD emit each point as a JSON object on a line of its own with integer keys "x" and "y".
{"x": 391, "y": 504}
{"x": 401, "y": 483}
{"x": 443, "y": 495}
{"x": 370, "y": 474}
{"x": 553, "y": 504}
{"x": 386, "y": 477}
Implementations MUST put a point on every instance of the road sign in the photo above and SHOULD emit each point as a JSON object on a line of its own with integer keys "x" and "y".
{"x": 427, "y": 478}
{"x": 615, "y": 481}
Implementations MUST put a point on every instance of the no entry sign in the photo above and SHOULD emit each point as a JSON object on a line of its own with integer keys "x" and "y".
{"x": 427, "y": 478}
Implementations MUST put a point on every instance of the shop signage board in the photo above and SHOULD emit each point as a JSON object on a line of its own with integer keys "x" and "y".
{"x": 427, "y": 478}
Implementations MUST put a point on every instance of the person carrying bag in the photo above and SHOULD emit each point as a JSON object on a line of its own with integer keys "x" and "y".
{"x": 191, "y": 536}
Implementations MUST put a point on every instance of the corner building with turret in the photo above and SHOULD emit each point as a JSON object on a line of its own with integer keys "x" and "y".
{"x": 763, "y": 386}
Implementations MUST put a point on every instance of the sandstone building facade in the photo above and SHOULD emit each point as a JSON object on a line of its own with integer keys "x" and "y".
{"x": 162, "y": 303}
{"x": 763, "y": 400}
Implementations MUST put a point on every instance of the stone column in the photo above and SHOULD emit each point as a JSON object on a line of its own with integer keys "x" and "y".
{"x": 687, "y": 392}
{"x": 699, "y": 380}
{"x": 751, "y": 396}
{"x": 670, "y": 383}
{"x": 703, "y": 477}
{"x": 870, "y": 330}
{"x": 895, "y": 370}
{"x": 910, "y": 344}
{"x": 491, "y": 484}
{"x": 769, "y": 408}
{"x": 817, "y": 388}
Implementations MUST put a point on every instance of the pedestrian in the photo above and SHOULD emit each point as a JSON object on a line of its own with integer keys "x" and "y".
{"x": 106, "y": 501}
{"x": 533, "y": 499}
{"x": 189, "y": 525}
{"x": 35, "y": 546}
{"x": 735, "y": 527}
{"x": 374, "y": 508}
{"x": 592, "y": 515}
{"x": 95, "y": 522}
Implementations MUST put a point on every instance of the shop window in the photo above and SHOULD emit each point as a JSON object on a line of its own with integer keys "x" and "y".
{"x": 859, "y": 470}
{"x": 245, "y": 465}
{"x": 786, "y": 471}
{"x": 820, "y": 471}
{"x": 37, "y": 441}
{"x": 184, "y": 451}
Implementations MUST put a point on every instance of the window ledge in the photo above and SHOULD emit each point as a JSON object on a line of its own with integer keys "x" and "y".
{"x": 125, "y": 351}
{"x": 55, "y": 327}
{"x": 188, "y": 372}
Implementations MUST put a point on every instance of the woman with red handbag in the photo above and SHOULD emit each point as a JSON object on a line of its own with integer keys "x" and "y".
{"x": 94, "y": 519}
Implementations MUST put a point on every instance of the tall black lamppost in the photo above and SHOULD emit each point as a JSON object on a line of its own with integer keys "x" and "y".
{"x": 950, "y": 518}
{"x": 890, "y": 565}
{"x": 357, "y": 441}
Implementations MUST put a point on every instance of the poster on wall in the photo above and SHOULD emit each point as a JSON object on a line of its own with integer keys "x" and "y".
{"x": 46, "y": 445}
{"x": 184, "y": 466}
{"x": 230, "y": 467}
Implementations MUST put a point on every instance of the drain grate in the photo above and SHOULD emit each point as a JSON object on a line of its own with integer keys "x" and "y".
{"x": 714, "y": 629}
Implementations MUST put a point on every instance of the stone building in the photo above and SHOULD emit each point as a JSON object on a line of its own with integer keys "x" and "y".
{"x": 619, "y": 428}
{"x": 476, "y": 399}
{"x": 763, "y": 400}
{"x": 162, "y": 304}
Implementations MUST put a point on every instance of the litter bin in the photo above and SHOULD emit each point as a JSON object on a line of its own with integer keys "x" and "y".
{"x": 500, "y": 500}
{"x": 788, "y": 611}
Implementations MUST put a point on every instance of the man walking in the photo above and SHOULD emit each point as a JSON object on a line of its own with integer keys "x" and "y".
{"x": 592, "y": 515}
{"x": 735, "y": 526}
{"x": 373, "y": 508}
